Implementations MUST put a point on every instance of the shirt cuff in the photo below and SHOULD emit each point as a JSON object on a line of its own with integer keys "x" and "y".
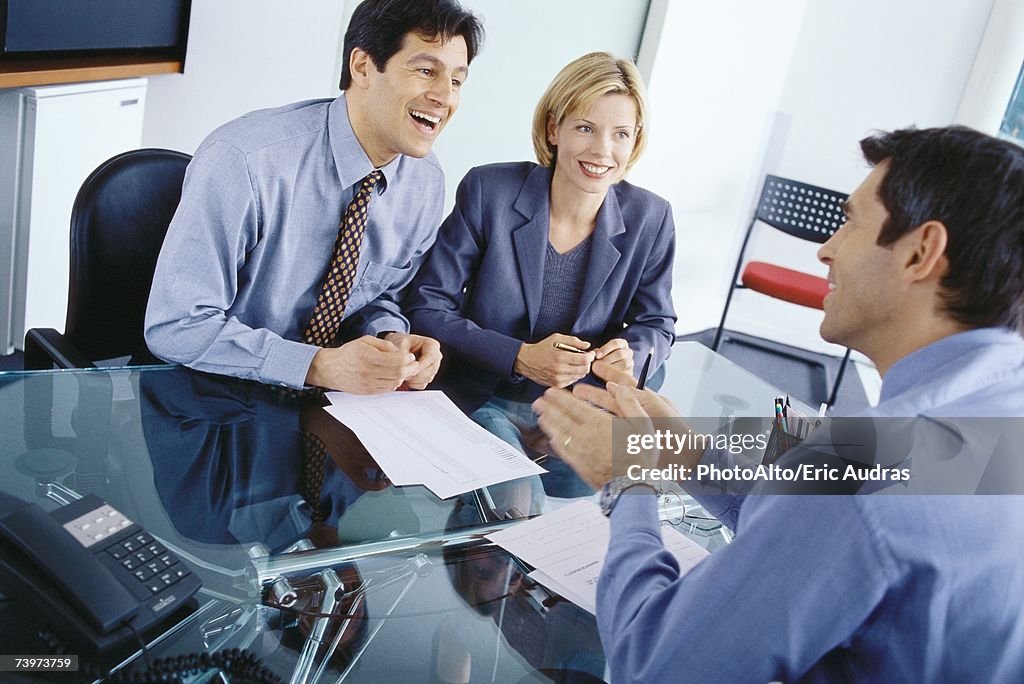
{"x": 636, "y": 509}
{"x": 386, "y": 323}
{"x": 287, "y": 363}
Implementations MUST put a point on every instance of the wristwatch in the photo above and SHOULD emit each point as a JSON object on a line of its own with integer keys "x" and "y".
{"x": 614, "y": 488}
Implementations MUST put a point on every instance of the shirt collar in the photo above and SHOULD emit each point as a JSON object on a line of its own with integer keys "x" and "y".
{"x": 349, "y": 157}
{"x": 951, "y": 351}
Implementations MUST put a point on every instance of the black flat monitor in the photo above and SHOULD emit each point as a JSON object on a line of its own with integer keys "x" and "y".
{"x": 66, "y": 28}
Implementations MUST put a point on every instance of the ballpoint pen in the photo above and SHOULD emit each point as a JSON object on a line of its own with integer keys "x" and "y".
{"x": 561, "y": 346}
{"x": 645, "y": 370}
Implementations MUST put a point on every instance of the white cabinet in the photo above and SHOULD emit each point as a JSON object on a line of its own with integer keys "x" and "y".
{"x": 51, "y": 139}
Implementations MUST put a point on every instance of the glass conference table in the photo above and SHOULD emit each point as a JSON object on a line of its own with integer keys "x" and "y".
{"x": 312, "y": 560}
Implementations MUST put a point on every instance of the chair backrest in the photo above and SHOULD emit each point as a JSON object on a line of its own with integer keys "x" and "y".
{"x": 118, "y": 223}
{"x": 801, "y": 210}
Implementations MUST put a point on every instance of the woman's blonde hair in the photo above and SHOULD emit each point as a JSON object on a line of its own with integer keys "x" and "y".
{"x": 575, "y": 90}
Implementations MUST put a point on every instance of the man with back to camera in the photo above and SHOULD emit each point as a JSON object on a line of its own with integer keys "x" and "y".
{"x": 927, "y": 280}
{"x": 299, "y": 226}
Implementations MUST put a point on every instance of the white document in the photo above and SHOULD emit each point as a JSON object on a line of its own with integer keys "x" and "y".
{"x": 423, "y": 438}
{"x": 568, "y": 547}
{"x": 584, "y": 602}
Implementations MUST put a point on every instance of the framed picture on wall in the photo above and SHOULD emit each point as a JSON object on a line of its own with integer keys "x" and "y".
{"x": 1012, "y": 126}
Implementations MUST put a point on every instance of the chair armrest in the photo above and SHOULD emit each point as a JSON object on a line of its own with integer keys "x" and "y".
{"x": 46, "y": 348}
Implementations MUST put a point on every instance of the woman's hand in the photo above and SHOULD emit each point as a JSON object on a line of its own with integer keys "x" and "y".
{"x": 616, "y": 353}
{"x": 547, "y": 365}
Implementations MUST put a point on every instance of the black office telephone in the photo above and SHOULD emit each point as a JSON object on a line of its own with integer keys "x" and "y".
{"x": 96, "y": 577}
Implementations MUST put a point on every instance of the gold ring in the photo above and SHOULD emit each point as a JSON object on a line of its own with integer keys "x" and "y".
{"x": 565, "y": 443}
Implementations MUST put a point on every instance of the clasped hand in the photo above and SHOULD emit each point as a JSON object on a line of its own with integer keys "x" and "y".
{"x": 546, "y": 364}
{"x": 369, "y": 365}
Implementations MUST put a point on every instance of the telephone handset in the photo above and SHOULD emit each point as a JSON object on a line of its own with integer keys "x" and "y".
{"x": 93, "y": 574}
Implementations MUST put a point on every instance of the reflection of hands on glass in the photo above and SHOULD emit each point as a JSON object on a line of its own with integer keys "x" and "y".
{"x": 345, "y": 449}
{"x": 547, "y": 365}
{"x": 616, "y": 353}
{"x": 579, "y": 424}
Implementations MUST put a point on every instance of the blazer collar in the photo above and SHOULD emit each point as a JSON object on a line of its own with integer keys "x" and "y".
{"x": 604, "y": 255}
{"x": 535, "y": 196}
{"x": 531, "y": 238}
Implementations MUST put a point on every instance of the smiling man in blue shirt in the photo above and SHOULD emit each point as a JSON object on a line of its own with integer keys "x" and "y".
{"x": 927, "y": 280}
{"x": 247, "y": 253}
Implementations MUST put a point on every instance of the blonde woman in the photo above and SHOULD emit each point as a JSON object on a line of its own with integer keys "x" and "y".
{"x": 543, "y": 268}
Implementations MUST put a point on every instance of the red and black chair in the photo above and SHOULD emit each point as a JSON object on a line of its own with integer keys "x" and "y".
{"x": 804, "y": 211}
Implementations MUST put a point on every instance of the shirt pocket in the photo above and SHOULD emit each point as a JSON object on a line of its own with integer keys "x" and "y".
{"x": 376, "y": 279}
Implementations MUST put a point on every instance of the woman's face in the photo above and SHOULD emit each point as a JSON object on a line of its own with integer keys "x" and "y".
{"x": 594, "y": 146}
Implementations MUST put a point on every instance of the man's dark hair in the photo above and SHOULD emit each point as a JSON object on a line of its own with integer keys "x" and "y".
{"x": 378, "y": 27}
{"x": 973, "y": 184}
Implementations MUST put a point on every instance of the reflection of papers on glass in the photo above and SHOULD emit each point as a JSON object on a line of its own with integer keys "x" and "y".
{"x": 568, "y": 548}
{"x": 423, "y": 438}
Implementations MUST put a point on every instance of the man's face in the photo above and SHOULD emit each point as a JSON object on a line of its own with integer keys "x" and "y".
{"x": 411, "y": 101}
{"x": 862, "y": 310}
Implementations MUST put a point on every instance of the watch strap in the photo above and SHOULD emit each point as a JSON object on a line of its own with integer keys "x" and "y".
{"x": 615, "y": 487}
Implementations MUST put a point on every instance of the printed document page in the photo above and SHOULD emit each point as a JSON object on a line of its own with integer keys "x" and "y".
{"x": 423, "y": 438}
{"x": 568, "y": 547}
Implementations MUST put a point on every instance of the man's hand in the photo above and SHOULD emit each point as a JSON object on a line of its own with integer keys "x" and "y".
{"x": 651, "y": 403}
{"x": 616, "y": 352}
{"x": 581, "y": 432}
{"x": 363, "y": 366}
{"x": 547, "y": 365}
{"x": 427, "y": 352}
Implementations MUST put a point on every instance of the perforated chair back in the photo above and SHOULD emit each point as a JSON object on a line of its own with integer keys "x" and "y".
{"x": 801, "y": 210}
{"x": 118, "y": 223}
{"x": 807, "y": 212}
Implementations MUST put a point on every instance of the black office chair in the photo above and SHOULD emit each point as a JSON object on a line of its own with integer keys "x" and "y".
{"x": 118, "y": 223}
{"x": 804, "y": 211}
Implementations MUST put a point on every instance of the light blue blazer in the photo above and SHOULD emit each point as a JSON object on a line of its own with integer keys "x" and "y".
{"x": 479, "y": 290}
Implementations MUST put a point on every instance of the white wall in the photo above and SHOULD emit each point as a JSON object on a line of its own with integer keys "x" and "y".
{"x": 718, "y": 74}
{"x": 244, "y": 55}
{"x": 791, "y": 90}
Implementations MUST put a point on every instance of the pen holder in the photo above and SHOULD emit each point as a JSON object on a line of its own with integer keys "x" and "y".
{"x": 779, "y": 442}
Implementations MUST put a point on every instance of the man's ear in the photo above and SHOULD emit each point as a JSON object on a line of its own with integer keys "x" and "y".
{"x": 359, "y": 65}
{"x": 926, "y": 251}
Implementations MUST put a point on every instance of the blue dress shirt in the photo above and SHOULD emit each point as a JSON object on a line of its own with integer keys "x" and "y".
{"x": 839, "y": 588}
{"x": 246, "y": 253}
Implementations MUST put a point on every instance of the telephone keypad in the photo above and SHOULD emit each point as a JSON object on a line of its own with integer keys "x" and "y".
{"x": 146, "y": 559}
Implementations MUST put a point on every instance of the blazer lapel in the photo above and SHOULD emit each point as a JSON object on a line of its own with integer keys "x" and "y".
{"x": 603, "y": 253}
{"x": 531, "y": 239}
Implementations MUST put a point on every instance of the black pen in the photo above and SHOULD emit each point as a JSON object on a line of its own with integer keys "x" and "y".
{"x": 646, "y": 369}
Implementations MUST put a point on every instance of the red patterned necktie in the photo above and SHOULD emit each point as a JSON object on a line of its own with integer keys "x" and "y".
{"x": 341, "y": 272}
